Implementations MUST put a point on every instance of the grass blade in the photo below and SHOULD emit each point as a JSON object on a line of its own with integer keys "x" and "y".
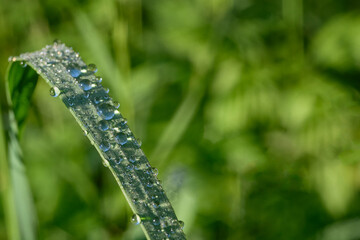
{"x": 77, "y": 86}
{"x": 18, "y": 203}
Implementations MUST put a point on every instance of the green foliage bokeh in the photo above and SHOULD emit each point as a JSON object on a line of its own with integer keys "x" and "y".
{"x": 248, "y": 108}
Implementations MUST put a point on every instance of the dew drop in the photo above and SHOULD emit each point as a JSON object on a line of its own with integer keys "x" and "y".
{"x": 98, "y": 79}
{"x": 121, "y": 138}
{"x": 123, "y": 121}
{"x": 155, "y": 171}
{"x": 23, "y": 64}
{"x": 86, "y": 85}
{"x": 130, "y": 167}
{"x": 97, "y": 100}
{"x": 119, "y": 160}
{"x": 105, "y": 163}
{"x": 12, "y": 59}
{"x": 156, "y": 221}
{"x": 54, "y": 91}
{"x": 116, "y": 104}
{"x": 92, "y": 68}
{"x": 182, "y": 224}
{"x": 135, "y": 219}
{"x": 103, "y": 125}
{"x": 132, "y": 158}
{"x": 104, "y": 146}
{"x": 156, "y": 203}
{"x": 138, "y": 142}
{"x": 150, "y": 184}
{"x": 74, "y": 72}
{"x": 57, "y": 41}
{"x": 71, "y": 101}
{"x": 106, "y": 111}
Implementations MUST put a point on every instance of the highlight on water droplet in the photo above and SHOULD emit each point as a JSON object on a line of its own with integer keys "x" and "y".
{"x": 135, "y": 219}
{"x": 83, "y": 69}
{"x": 54, "y": 91}
{"x": 86, "y": 84}
{"x": 121, "y": 138}
{"x": 106, "y": 111}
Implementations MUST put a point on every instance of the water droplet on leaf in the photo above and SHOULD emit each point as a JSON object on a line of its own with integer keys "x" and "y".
{"x": 23, "y": 64}
{"x": 119, "y": 160}
{"x": 98, "y": 79}
{"x": 57, "y": 42}
{"x": 104, "y": 146}
{"x": 121, "y": 138}
{"x": 116, "y": 104}
{"x": 135, "y": 219}
{"x": 156, "y": 203}
{"x": 182, "y": 224}
{"x": 54, "y": 91}
{"x": 86, "y": 85}
{"x": 103, "y": 125}
{"x": 92, "y": 68}
{"x": 156, "y": 221}
{"x": 97, "y": 100}
{"x": 123, "y": 121}
{"x": 155, "y": 171}
{"x": 132, "y": 158}
{"x": 105, "y": 163}
{"x": 138, "y": 142}
{"x": 12, "y": 59}
{"x": 74, "y": 72}
{"x": 106, "y": 111}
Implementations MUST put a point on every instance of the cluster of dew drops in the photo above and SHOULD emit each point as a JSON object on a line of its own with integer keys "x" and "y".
{"x": 84, "y": 76}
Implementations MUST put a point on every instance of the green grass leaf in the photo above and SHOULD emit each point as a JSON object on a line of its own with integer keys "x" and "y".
{"x": 75, "y": 83}
{"x": 19, "y": 208}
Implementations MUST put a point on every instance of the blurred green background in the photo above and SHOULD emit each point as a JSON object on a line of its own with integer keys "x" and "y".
{"x": 248, "y": 108}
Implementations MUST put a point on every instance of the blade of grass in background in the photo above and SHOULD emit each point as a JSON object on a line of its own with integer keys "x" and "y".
{"x": 75, "y": 83}
{"x": 179, "y": 123}
{"x": 18, "y": 203}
